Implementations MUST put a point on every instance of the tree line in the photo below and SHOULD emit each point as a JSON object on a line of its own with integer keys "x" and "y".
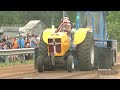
{"x": 22, "y": 17}
{"x": 54, "y": 17}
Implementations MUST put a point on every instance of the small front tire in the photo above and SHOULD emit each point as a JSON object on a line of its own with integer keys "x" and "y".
{"x": 70, "y": 63}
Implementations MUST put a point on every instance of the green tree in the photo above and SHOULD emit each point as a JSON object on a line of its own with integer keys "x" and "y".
{"x": 113, "y": 23}
{"x": 23, "y": 17}
{"x": 9, "y": 17}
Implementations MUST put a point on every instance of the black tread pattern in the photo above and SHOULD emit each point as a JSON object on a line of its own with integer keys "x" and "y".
{"x": 69, "y": 63}
{"x": 40, "y": 64}
{"x": 83, "y": 53}
{"x": 43, "y": 50}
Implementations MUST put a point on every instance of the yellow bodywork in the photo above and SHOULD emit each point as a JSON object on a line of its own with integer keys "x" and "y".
{"x": 65, "y": 42}
{"x": 47, "y": 33}
{"x": 80, "y": 35}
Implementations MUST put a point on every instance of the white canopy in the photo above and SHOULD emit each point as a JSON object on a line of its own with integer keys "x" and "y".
{"x": 28, "y": 26}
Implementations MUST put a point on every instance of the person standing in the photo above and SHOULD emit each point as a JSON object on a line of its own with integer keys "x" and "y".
{"x": 4, "y": 39}
{"x": 15, "y": 46}
{"x": 9, "y": 43}
{"x": 15, "y": 43}
{"x": 27, "y": 43}
{"x": 21, "y": 44}
{"x": 33, "y": 42}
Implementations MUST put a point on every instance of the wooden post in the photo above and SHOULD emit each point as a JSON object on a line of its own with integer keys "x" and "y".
{"x": 6, "y": 60}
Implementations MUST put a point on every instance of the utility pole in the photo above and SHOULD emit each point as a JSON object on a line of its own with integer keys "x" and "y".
{"x": 78, "y": 20}
{"x": 52, "y": 22}
{"x": 65, "y": 14}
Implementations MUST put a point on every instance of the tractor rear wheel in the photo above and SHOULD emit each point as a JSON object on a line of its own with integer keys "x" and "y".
{"x": 43, "y": 51}
{"x": 40, "y": 64}
{"x": 43, "y": 48}
{"x": 85, "y": 53}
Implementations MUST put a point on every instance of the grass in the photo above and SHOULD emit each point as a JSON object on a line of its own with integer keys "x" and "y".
{"x": 3, "y": 64}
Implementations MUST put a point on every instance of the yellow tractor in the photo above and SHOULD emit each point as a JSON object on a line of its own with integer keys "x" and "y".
{"x": 57, "y": 50}
{"x": 86, "y": 49}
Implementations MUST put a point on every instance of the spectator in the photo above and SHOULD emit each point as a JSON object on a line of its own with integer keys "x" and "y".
{"x": 4, "y": 46}
{"x": 15, "y": 43}
{"x": 9, "y": 43}
{"x": 4, "y": 39}
{"x": 11, "y": 39}
{"x": 33, "y": 42}
{"x": 27, "y": 43}
{"x": 2, "y": 58}
{"x": 21, "y": 42}
{"x": 1, "y": 45}
{"x": 15, "y": 46}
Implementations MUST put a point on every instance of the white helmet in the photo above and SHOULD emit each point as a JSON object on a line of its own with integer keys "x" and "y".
{"x": 66, "y": 18}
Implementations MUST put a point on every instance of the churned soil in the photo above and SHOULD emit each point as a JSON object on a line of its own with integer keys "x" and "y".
{"x": 27, "y": 71}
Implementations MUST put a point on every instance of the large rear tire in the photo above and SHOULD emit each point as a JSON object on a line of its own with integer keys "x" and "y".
{"x": 43, "y": 51}
{"x": 85, "y": 53}
{"x": 40, "y": 64}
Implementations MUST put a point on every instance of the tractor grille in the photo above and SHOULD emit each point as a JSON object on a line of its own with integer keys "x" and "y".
{"x": 54, "y": 45}
{"x": 58, "y": 46}
{"x": 50, "y": 43}
{"x": 58, "y": 40}
{"x": 50, "y": 40}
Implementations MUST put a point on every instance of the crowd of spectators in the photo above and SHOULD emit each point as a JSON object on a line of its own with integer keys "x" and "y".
{"x": 9, "y": 42}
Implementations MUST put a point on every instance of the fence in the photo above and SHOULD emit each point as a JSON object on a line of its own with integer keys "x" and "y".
{"x": 9, "y": 52}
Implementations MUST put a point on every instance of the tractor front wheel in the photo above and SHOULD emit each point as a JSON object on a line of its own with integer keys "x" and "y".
{"x": 70, "y": 63}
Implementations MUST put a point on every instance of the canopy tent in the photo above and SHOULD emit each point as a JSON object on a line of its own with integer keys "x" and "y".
{"x": 32, "y": 27}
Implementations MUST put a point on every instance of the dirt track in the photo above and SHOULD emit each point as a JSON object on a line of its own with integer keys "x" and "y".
{"x": 25, "y": 71}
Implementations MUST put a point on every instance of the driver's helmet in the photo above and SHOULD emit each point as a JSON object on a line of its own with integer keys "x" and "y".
{"x": 65, "y": 20}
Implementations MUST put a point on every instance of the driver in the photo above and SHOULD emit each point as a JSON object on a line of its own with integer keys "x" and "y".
{"x": 65, "y": 25}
